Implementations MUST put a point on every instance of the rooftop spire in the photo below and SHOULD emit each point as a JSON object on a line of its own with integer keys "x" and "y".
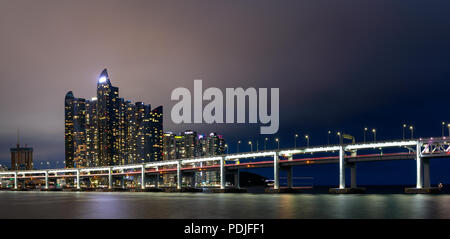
{"x": 103, "y": 78}
{"x": 69, "y": 95}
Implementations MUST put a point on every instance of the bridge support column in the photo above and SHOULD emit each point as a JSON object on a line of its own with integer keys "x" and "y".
{"x": 289, "y": 177}
{"x": 237, "y": 179}
{"x": 110, "y": 178}
{"x": 46, "y": 179}
{"x": 15, "y": 180}
{"x": 179, "y": 175}
{"x": 423, "y": 174}
{"x": 341, "y": 168}
{"x": 419, "y": 167}
{"x": 276, "y": 171}
{"x": 194, "y": 180}
{"x": 353, "y": 175}
{"x": 342, "y": 165}
{"x": 142, "y": 177}
{"x": 157, "y": 181}
{"x": 426, "y": 173}
{"x": 78, "y": 179}
{"x": 222, "y": 173}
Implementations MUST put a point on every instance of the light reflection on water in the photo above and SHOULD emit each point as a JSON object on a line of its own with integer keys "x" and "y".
{"x": 204, "y": 205}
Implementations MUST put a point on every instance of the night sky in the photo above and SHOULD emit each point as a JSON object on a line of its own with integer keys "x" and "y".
{"x": 339, "y": 65}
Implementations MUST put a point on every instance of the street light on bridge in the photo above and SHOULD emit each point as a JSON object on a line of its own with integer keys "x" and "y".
{"x": 340, "y": 137}
{"x": 443, "y": 128}
{"x": 404, "y": 127}
{"x": 226, "y": 146}
{"x": 374, "y": 131}
{"x": 328, "y": 139}
{"x": 251, "y": 146}
{"x": 365, "y": 130}
{"x": 295, "y": 140}
{"x": 278, "y": 141}
{"x": 239, "y": 142}
{"x": 411, "y": 128}
{"x": 307, "y": 140}
{"x": 265, "y": 143}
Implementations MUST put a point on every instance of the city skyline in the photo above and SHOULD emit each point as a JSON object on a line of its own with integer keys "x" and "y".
{"x": 380, "y": 66}
{"x": 109, "y": 130}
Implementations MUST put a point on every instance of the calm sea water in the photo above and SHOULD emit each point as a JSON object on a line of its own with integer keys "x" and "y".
{"x": 209, "y": 205}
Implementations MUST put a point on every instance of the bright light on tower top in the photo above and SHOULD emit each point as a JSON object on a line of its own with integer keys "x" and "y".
{"x": 102, "y": 79}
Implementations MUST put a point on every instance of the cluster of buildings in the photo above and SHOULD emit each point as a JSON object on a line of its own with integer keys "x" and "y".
{"x": 21, "y": 158}
{"x": 189, "y": 144}
{"x": 109, "y": 130}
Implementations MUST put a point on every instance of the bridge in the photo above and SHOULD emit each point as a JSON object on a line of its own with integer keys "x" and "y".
{"x": 420, "y": 150}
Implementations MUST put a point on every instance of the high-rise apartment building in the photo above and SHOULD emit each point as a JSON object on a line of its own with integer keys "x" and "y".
{"x": 108, "y": 130}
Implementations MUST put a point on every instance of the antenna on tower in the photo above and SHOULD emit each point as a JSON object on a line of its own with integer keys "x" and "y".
{"x": 18, "y": 138}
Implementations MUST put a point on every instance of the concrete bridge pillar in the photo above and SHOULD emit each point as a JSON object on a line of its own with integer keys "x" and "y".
{"x": 419, "y": 167}
{"x": 194, "y": 179}
{"x": 179, "y": 175}
{"x": 142, "y": 177}
{"x": 426, "y": 173}
{"x": 110, "y": 178}
{"x": 290, "y": 183}
{"x": 222, "y": 173}
{"x": 78, "y": 179}
{"x": 276, "y": 171}
{"x": 423, "y": 184}
{"x": 353, "y": 175}
{"x": 237, "y": 179}
{"x": 46, "y": 179}
{"x": 15, "y": 180}
{"x": 341, "y": 168}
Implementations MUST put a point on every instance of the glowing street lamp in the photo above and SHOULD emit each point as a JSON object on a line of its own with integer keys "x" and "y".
{"x": 226, "y": 146}
{"x": 265, "y": 143}
{"x": 374, "y": 131}
{"x": 443, "y": 127}
{"x": 278, "y": 141}
{"x": 411, "y": 128}
{"x": 307, "y": 140}
{"x": 365, "y": 130}
{"x": 328, "y": 139}
{"x": 340, "y": 137}
{"x": 404, "y": 127}
{"x": 239, "y": 142}
{"x": 251, "y": 146}
{"x": 295, "y": 140}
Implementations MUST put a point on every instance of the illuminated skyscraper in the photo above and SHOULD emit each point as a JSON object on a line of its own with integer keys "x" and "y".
{"x": 68, "y": 129}
{"x": 215, "y": 145}
{"x": 109, "y": 130}
{"x": 92, "y": 133}
{"x": 79, "y": 133}
{"x": 157, "y": 133}
{"x": 190, "y": 143}
{"x": 107, "y": 111}
{"x": 169, "y": 150}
